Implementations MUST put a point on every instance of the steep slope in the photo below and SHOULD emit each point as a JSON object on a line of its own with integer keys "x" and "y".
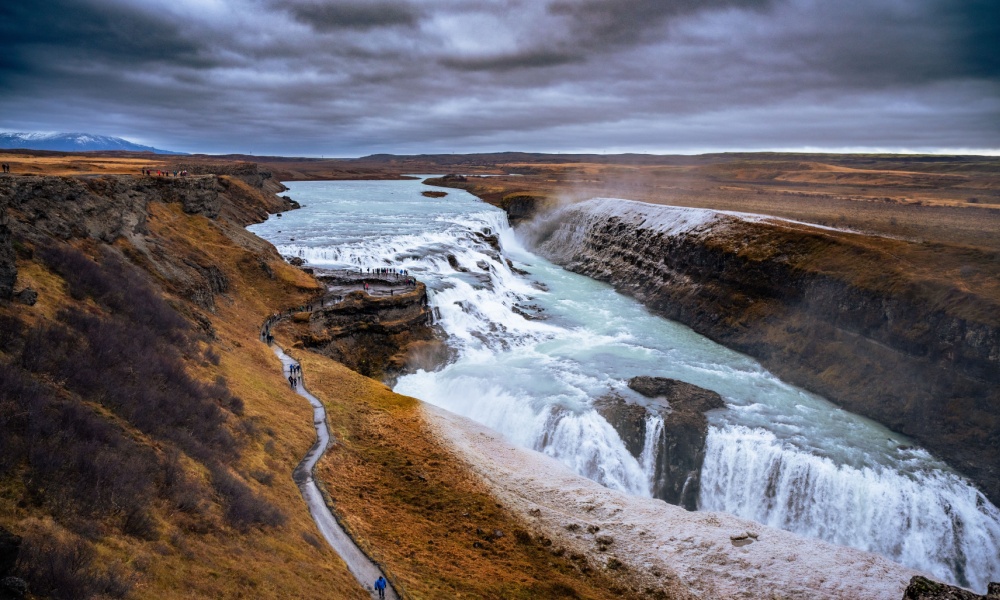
{"x": 147, "y": 442}
{"x": 147, "y": 438}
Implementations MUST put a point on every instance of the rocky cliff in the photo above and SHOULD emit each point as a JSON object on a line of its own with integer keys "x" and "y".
{"x": 111, "y": 208}
{"x": 377, "y": 336}
{"x": 834, "y": 312}
{"x": 678, "y": 438}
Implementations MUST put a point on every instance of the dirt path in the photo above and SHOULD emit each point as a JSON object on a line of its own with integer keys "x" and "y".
{"x": 363, "y": 569}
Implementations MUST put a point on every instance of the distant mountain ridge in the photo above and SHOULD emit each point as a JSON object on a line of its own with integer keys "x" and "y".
{"x": 72, "y": 142}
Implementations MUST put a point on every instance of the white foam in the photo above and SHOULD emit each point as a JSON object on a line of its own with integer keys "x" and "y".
{"x": 933, "y": 521}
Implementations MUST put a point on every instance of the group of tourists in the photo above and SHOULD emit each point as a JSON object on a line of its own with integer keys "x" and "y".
{"x": 388, "y": 272}
{"x": 6, "y": 168}
{"x": 294, "y": 375}
{"x": 265, "y": 330}
{"x": 160, "y": 173}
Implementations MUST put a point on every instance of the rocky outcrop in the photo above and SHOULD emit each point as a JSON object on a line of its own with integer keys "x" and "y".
{"x": 921, "y": 588}
{"x": 678, "y": 444}
{"x": 820, "y": 310}
{"x": 520, "y": 207}
{"x": 377, "y": 336}
{"x": 102, "y": 208}
{"x": 248, "y": 172}
{"x": 108, "y": 208}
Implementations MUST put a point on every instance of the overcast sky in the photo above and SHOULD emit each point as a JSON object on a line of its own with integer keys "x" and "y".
{"x": 352, "y": 77}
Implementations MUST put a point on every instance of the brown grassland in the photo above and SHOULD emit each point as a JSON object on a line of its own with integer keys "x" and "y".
{"x": 418, "y": 510}
{"x": 200, "y": 555}
{"x": 407, "y": 501}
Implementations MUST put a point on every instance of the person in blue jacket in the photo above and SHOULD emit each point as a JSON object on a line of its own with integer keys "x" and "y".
{"x": 380, "y": 586}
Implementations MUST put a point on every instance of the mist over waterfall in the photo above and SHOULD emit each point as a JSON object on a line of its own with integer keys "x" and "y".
{"x": 536, "y": 346}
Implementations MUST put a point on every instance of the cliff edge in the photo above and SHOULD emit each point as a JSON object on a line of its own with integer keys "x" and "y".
{"x": 866, "y": 322}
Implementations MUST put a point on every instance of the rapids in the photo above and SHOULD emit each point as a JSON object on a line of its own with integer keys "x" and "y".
{"x": 534, "y": 351}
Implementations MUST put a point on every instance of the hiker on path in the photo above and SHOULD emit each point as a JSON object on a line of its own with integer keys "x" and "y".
{"x": 380, "y": 587}
{"x": 291, "y": 381}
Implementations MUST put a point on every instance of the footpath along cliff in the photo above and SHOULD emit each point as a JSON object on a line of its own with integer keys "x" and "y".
{"x": 837, "y": 313}
{"x": 147, "y": 436}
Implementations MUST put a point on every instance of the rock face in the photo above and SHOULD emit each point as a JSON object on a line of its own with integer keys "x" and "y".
{"x": 520, "y": 207}
{"x": 922, "y": 360}
{"x": 103, "y": 208}
{"x": 679, "y": 445}
{"x": 377, "y": 336}
{"x": 108, "y": 208}
{"x": 921, "y": 588}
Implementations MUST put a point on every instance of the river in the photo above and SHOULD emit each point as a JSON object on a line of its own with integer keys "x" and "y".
{"x": 533, "y": 352}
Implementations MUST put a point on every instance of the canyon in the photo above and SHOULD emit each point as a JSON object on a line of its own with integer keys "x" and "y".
{"x": 789, "y": 294}
{"x": 819, "y": 307}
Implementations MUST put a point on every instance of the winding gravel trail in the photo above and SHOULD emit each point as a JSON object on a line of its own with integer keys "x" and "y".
{"x": 363, "y": 569}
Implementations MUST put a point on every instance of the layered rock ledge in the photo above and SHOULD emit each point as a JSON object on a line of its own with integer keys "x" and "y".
{"x": 831, "y": 311}
{"x": 378, "y": 335}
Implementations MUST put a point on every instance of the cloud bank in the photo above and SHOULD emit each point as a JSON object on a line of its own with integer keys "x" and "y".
{"x": 351, "y": 77}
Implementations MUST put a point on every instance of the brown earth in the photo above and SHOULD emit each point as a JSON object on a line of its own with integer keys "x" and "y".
{"x": 183, "y": 241}
{"x": 421, "y": 513}
{"x": 190, "y": 547}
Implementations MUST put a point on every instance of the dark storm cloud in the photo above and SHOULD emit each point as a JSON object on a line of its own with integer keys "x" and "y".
{"x": 352, "y": 77}
{"x": 600, "y": 22}
{"x": 507, "y": 62}
{"x": 101, "y": 32}
{"x": 976, "y": 29}
{"x": 325, "y": 16}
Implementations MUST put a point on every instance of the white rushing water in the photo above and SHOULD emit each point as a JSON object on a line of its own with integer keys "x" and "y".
{"x": 776, "y": 454}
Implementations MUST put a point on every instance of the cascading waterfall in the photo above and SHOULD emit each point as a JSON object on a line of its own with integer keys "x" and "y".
{"x": 934, "y": 520}
{"x": 654, "y": 428}
{"x": 776, "y": 455}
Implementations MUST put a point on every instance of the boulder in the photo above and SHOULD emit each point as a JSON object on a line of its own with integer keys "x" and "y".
{"x": 26, "y": 296}
{"x": 921, "y": 588}
{"x": 679, "y": 449}
{"x": 13, "y": 588}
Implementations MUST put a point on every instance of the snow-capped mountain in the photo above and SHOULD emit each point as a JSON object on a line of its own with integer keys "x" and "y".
{"x": 72, "y": 142}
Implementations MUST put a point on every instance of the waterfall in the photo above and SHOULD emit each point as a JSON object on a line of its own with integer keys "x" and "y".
{"x": 933, "y": 521}
{"x": 650, "y": 446}
{"x": 776, "y": 455}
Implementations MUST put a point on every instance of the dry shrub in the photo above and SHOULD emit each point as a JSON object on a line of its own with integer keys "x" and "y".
{"x": 244, "y": 508}
{"x": 57, "y": 564}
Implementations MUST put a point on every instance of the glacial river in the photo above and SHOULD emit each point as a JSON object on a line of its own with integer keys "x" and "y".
{"x": 777, "y": 454}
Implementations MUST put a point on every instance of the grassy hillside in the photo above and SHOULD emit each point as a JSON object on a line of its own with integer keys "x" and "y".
{"x": 147, "y": 438}
{"x": 147, "y": 443}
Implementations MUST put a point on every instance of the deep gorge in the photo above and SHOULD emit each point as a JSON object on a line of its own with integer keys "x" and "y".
{"x": 923, "y": 361}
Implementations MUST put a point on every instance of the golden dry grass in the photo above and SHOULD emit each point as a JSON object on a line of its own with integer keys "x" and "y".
{"x": 202, "y": 556}
{"x": 78, "y": 164}
{"x": 417, "y": 510}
